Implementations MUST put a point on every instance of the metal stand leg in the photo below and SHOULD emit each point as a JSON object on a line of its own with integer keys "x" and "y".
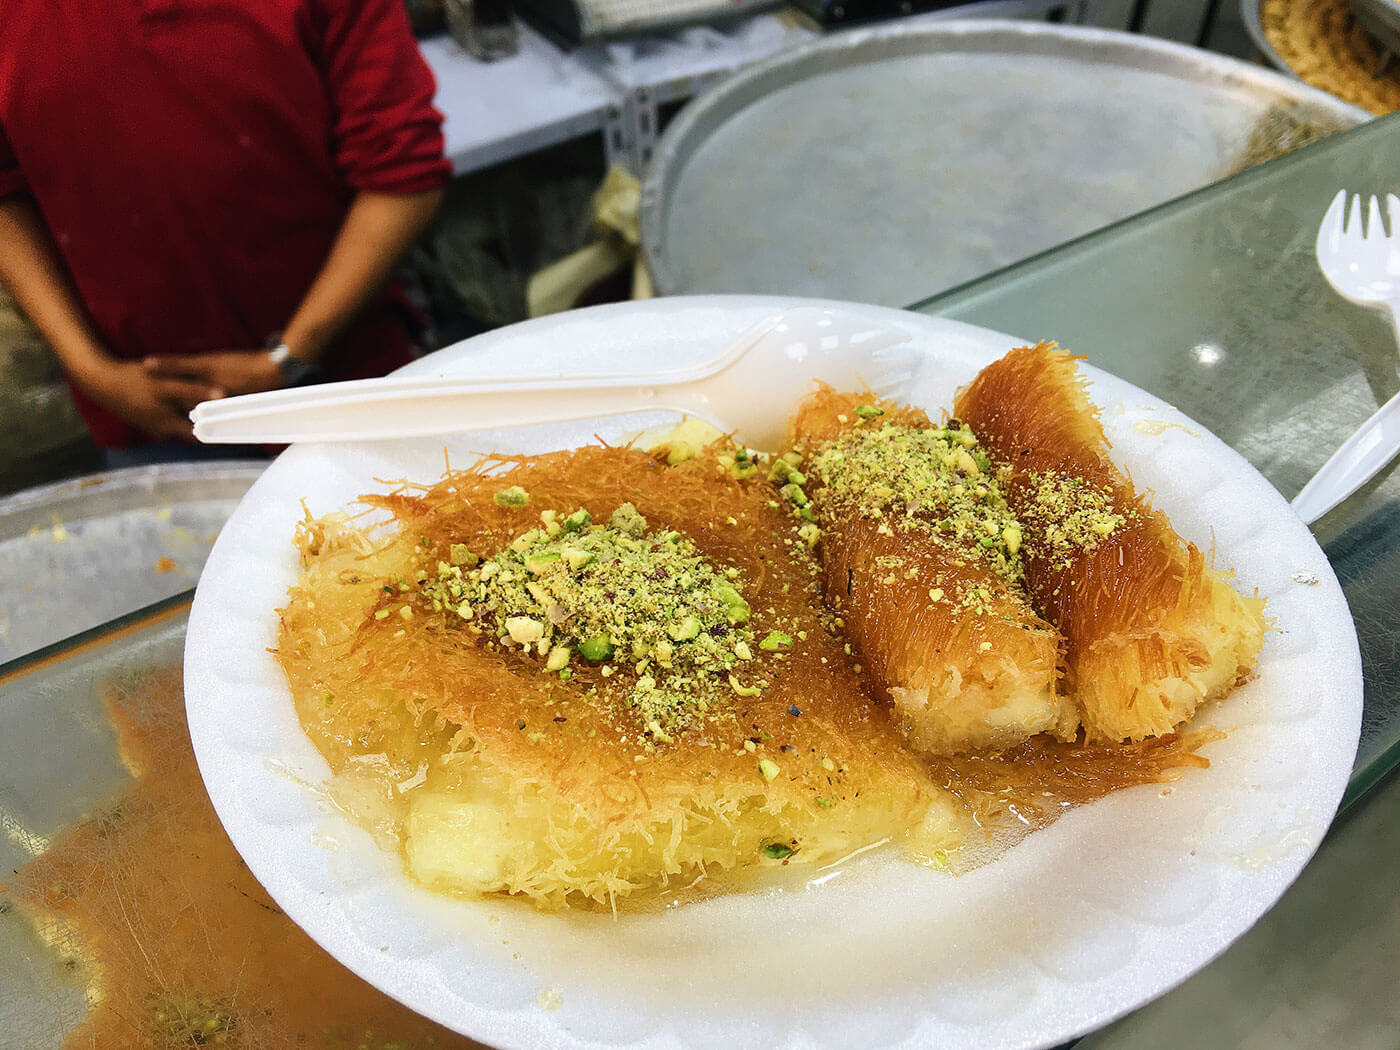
{"x": 1207, "y": 22}
{"x": 630, "y": 132}
{"x": 1083, "y": 12}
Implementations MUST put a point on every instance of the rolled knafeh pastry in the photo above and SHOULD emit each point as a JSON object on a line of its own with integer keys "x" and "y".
{"x": 1151, "y": 629}
{"x": 920, "y": 558}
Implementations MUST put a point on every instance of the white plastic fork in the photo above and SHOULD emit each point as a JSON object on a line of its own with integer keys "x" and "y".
{"x": 1363, "y": 267}
{"x": 749, "y": 389}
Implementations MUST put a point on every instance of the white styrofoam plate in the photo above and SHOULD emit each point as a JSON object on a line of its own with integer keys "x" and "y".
{"x": 1106, "y": 909}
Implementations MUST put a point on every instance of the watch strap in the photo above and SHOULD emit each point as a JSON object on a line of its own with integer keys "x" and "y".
{"x": 294, "y": 370}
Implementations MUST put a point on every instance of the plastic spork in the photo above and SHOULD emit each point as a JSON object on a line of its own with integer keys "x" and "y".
{"x": 1363, "y": 267}
{"x": 749, "y": 388}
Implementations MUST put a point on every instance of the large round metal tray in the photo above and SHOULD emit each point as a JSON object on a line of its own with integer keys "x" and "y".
{"x": 888, "y": 164}
{"x": 1380, "y": 18}
{"x": 1254, "y": 26}
{"x": 76, "y": 554}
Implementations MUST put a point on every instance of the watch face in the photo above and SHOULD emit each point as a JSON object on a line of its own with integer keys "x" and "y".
{"x": 294, "y": 370}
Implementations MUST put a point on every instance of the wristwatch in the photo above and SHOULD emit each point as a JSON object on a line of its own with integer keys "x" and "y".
{"x": 294, "y": 370}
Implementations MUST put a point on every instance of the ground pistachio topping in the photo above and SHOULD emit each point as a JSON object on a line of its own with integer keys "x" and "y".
{"x": 617, "y": 594}
{"x": 937, "y": 476}
{"x": 1067, "y": 516}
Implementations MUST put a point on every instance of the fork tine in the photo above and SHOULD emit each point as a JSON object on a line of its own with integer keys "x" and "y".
{"x": 1375, "y": 229}
{"x": 1392, "y": 249}
{"x": 1329, "y": 231}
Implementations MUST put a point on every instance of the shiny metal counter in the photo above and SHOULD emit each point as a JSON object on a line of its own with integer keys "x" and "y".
{"x": 77, "y": 554}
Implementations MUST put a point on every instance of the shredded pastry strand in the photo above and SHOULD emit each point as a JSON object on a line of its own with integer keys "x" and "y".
{"x": 1151, "y": 629}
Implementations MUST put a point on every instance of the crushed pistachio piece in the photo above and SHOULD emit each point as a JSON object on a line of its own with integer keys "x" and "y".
{"x": 776, "y": 640}
{"x": 776, "y": 850}
{"x": 648, "y": 603}
{"x": 743, "y": 690}
{"x": 1011, "y": 535}
{"x": 1065, "y": 516}
{"x": 936, "y": 478}
{"x": 515, "y": 496}
{"x": 736, "y": 610}
{"x": 626, "y": 519}
{"x": 793, "y": 491}
{"x": 769, "y": 769}
{"x": 576, "y": 558}
{"x": 687, "y": 629}
{"x": 524, "y": 630}
{"x": 869, "y": 411}
{"x": 539, "y": 563}
{"x": 597, "y": 648}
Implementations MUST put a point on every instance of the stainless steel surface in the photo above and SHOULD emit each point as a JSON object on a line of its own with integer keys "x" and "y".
{"x": 79, "y": 553}
{"x": 60, "y": 764}
{"x": 1249, "y": 11}
{"x": 1380, "y": 18}
{"x": 883, "y": 165}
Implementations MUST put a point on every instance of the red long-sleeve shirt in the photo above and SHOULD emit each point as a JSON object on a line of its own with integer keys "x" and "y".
{"x": 194, "y": 160}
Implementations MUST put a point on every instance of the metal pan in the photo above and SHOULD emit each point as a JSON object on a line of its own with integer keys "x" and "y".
{"x": 887, "y": 164}
{"x": 1254, "y": 26}
{"x": 76, "y": 554}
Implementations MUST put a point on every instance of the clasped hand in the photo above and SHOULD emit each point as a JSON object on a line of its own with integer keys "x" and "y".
{"x": 158, "y": 393}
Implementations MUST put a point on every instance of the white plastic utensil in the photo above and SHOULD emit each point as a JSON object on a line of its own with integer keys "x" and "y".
{"x": 749, "y": 389}
{"x": 1363, "y": 267}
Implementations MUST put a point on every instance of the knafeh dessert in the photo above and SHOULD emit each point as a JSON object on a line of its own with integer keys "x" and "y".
{"x": 593, "y": 676}
{"x": 1151, "y": 629}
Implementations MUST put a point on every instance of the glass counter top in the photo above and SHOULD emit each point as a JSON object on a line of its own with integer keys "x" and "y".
{"x": 1214, "y": 302}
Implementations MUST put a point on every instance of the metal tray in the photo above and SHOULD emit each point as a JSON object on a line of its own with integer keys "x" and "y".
{"x": 79, "y": 553}
{"x": 887, "y": 164}
{"x": 1380, "y": 18}
{"x": 1254, "y": 26}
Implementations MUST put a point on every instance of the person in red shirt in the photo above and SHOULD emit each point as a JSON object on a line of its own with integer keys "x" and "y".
{"x": 185, "y": 184}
